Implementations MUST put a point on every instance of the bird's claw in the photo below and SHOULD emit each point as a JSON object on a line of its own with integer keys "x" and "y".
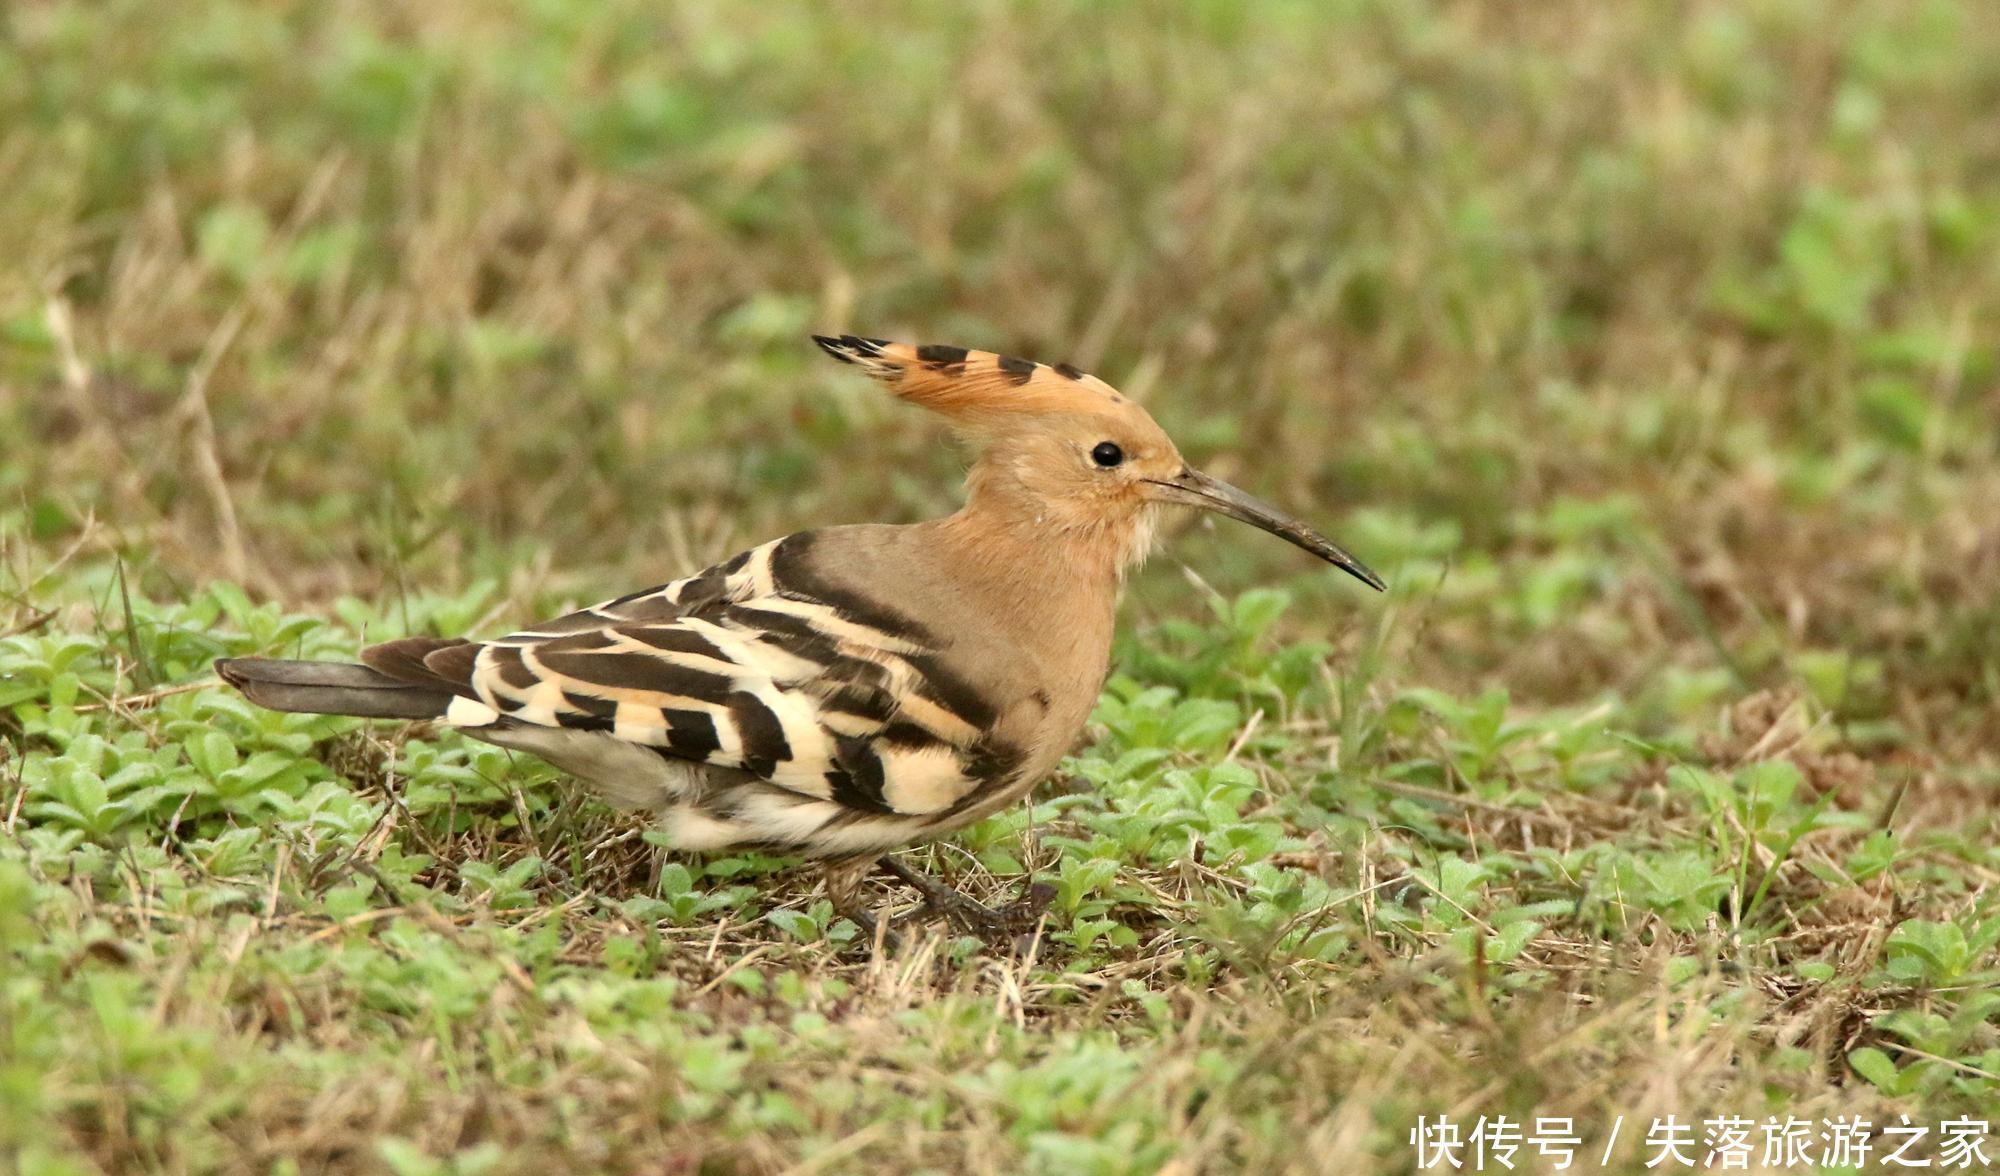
{"x": 993, "y": 924}
{"x": 1013, "y": 924}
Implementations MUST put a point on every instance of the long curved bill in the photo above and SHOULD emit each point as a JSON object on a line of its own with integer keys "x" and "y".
{"x": 1191, "y": 487}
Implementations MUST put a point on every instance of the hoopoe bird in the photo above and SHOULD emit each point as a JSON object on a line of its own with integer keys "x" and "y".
{"x": 841, "y": 693}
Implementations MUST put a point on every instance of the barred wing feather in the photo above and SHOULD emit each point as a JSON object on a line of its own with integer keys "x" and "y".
{"x": 757, "y": 665}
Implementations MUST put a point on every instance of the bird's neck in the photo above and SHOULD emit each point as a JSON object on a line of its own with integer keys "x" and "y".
{"x": 1039, "y": 567}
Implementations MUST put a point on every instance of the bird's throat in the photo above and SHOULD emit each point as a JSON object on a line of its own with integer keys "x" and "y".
{"x": 1039, "y": 572}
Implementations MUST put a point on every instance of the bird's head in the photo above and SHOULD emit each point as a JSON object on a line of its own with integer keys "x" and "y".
{"x": 1065, "y": 450}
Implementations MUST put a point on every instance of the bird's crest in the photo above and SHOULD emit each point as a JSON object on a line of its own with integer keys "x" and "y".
{"x": 973, "y": 387}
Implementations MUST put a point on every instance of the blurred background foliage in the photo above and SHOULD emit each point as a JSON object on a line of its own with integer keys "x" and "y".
{"x": 1652, "y": 350}
{"x": 1662, "y": 328}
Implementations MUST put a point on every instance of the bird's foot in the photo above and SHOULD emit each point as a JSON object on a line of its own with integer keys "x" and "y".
{"x": 874, "y": 932}
{"x": 843, "y": 878}
{"x": 993, "y": 924}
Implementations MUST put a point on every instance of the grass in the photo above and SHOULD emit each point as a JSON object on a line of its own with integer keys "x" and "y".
{"x": 1650, "y": 349}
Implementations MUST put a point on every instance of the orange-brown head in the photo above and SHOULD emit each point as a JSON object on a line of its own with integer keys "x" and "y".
{"x": 1066, "y": 451}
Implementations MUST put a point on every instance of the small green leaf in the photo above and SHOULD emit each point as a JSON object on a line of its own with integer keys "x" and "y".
{"x": 1874, "y": 1065}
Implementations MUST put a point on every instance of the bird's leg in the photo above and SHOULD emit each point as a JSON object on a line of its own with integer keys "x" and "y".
{"x": 843, "y": 889}
{"x": 942, "y": 901}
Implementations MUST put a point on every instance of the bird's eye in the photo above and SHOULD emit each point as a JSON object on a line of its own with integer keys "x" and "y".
{"x": 1107, "y": 454}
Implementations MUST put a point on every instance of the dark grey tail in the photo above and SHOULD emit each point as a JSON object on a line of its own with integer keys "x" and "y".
{"x": 331, "y": 688}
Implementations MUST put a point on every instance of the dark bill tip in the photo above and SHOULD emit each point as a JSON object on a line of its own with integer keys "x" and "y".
{"x": 1194, "y": 488}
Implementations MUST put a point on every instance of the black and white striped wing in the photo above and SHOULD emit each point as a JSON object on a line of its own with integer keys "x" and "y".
{"x": 754, "y": 665}
{"x": 655, "y": 605}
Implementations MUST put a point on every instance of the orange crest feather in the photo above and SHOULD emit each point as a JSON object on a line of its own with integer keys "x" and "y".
{"x": 972, "y": 386}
